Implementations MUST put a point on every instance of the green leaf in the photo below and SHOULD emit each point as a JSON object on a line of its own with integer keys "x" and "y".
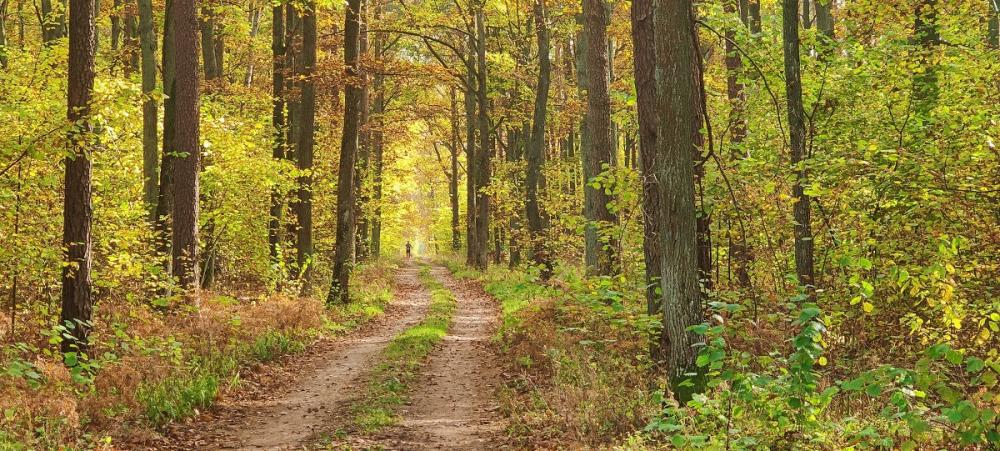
{"x": 974, "y": 365}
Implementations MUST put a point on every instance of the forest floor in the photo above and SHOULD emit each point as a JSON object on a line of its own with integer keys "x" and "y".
{"x": 304, "y": 402}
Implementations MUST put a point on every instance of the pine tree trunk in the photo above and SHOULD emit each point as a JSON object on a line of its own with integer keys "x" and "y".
{"x": 678, "y": 99}
{"x": 77, "y": 300}
{"x": 165, "y": 191}
{"x": 797, "y": 140}
{"x": 278, "y": 126}
{"x": 534, "y": 151}
{"x": 147, "y": 43}
{"x": 597, "y": 153}
{"x": 304, "y": 162}
{"x": 483, "y": 156}
{"x": 456, "y": 229}
{"x": 364, "y": 150}
{"x": 187, "y": 144}
{"x": 644, "y": 55}
{"x": 343, "y": 258}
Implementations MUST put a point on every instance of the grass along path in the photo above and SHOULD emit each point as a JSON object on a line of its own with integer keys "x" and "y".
{"x": 391, "y": 378}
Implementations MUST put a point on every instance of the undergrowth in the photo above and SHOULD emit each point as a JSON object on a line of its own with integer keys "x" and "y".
{"x": 399, "y": 361}
{"x": 150, "y": 366}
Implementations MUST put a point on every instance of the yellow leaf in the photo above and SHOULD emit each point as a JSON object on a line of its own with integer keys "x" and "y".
{"x": 868, "y": 307}
{"x": 822, "y": 361}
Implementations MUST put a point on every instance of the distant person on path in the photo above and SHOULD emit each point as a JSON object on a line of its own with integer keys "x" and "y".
{"x": 408, "y": 247}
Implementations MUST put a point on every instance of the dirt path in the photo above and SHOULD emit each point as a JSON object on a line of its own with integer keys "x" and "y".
{"x": 301, "y": 408}
{"x": 452, "y": 405}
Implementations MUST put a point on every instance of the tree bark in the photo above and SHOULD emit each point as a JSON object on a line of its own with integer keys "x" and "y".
{"x": 470, "y": 162}
{"x": 378, "y": 143}
{"x": 343, "y": 258}
{"x": 535, "y": 149}
{"x": 165, "y": 191}
{"x": 824, "y": 18}
{"x": 678, "y": 99}
{"x": 187, "y": 144}
{"x": 304, "y": 162}
{"x": 483, "y": 156}
{"x": 993, "y": 27}
{"x": 364, "y": 150}
{"x": 116, "y": 23}
{"x": 797, "y": 137}
{"x": 456, "y": 229}
{"x": 54, "y": 24}
{"x": 644, "y": 55}
{"x": 207, "y": 21}
{"x": 278, "y": 125}
{"x": 77, "y": 301}
{"x": 597, "y": 153}
{"x": 147, "y": 43}
{"x": 755, "y": 21}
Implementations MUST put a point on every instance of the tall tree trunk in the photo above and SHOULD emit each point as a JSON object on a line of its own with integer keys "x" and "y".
{"x": 207, "y": 21}
{"x": 147, "y": 43}
{"x": 116, "y": 23}
{"x": 644, "y": 56}
{"x": 797, "y": 140}
{"x": 483, "y": 156}
{"x": 456, "y": 229}
{"x": 738, "y": 249}
{"x": 343, "y": 258}
{"x": 251, "y": 56}
{"x": 378, "y": 144}
{"x": 678, "y": 99}
{"x": 187, "y": 143}
{"x": 165, "y": 192}
{"x": 807, "y": 14}
{"x": 993, "y": 27}
{"x": 220, "y": 51}
{"x": 278, "y": 126}
{"x": 364, "y": 150}
{"x": 824, "y": 18}
{"x": 3, "y": 34}
{"x": 535, "y": 149}
{"x": 77, "y": 301}
{"x": 470, "y": 162}
{"x": 601, "y": 252}
{"x": 54, "y": 23}
{"x": 304, "y": 162}
{"x": 755, "y": 21}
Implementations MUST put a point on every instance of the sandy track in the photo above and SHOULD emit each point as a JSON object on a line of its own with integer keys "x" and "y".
{"x": 300, "y": 408}
{"x": 452, "y": 406}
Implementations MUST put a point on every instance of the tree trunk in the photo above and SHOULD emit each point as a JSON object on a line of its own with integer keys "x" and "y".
{"x": 77, "y": 301}
{"x": 165, "y": 192}
{"x": 187, "y": 144}
{"x": 3, "y": 34}
{"x": 54, "y": 24}
{"x": 470, "y": 170}
{"x": 806, "y": 14}
{"x": 364, "y": 150}
{"x": 678, "y": 99}
{"x": 483, "y": 156}
{"x": 378, "y": 109}
{"x": 278, "y": 125}
{"x": 534, "y": 151}
{"x": 644, "y": 56}
{"x": 738, "y": 249}
{"x": 597, "y": 153}
{"x": 304, "y": 162}
{"x": 824, "y": 18}
{"x": 116, "y": 23}
{"x": 147, "y": 42}
{"x": 993, "y": 32}
{"x": 343, "y": 258}
{"x": 456, "y": 229}
{"x": 755, "y": 22}
{"x": 927, "y": 37}
{"x": 797, "y": 140}
{"x": 208, "y": 42}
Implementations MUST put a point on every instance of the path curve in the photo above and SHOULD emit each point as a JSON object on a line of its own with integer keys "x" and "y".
{"x": 302, "y": 408}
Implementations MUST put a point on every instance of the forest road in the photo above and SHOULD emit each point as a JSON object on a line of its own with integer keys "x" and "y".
{"x": 452, "y": 406}
{"x": 300, "y": 406}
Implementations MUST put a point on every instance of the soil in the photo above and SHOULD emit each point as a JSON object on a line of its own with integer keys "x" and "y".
{"x": 305, "y": 400}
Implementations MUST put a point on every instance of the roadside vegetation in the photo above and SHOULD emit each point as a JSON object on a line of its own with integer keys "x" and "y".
{"x": 154, "y": 365}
